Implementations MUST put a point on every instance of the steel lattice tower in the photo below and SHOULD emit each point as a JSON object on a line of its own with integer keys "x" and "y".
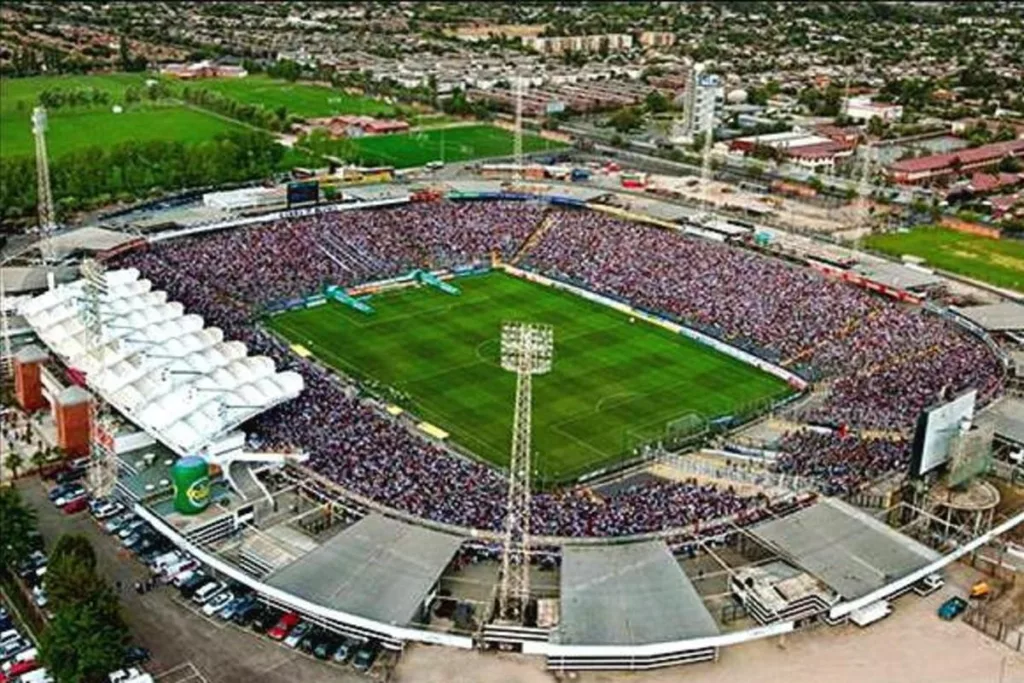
{"x": 44, "y": 203}
{"x": 527, "y": 350}
{"x": 102, "y": 475}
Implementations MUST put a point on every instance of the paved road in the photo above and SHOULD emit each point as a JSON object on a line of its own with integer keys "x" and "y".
{"x": 186, "y": 647}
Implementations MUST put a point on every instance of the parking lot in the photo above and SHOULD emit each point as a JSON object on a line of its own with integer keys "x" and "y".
{"x": 187, "y": 647}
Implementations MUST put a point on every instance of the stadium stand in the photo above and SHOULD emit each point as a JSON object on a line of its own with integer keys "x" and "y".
{"x": 883, "y": 361}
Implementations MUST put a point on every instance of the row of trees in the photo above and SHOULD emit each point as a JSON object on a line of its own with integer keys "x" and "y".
{"x": 86, "y": 638}
{"x": 97, "y": 176}
{"x": 275, "y": 120}
{"x": 58, "y": 98}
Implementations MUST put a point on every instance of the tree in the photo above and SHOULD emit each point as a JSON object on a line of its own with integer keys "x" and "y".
{"x": 656, "y": 102}
{"x": 85, "y": 641}
{"x": 15, "y": 462}
{"x": 626, "y": 119}
{"x": 876, "y": 127}
{"x": 38, "y": 459}
{"x": 17, "y": 522}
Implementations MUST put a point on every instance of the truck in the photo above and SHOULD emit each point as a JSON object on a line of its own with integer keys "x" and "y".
{"x": 869, "y": 614}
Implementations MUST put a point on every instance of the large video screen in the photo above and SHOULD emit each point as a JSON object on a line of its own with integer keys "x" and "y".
{"x": 936, "y": 428}
{"x": 303, "y": 192}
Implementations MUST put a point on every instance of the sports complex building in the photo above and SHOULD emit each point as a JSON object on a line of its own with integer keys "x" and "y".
{"x": 734, "y": 441}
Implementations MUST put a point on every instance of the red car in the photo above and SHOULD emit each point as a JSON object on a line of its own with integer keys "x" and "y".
{"x": 19, "y": 668}
{"x": 284, "y": 625}
{"x": 77, "y": 505}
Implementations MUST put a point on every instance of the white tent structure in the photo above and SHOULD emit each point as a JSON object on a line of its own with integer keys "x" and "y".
{"x": 163, "y": 369}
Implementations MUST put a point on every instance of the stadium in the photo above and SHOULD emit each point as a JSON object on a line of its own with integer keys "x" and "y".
{"x": 327, "y": 405}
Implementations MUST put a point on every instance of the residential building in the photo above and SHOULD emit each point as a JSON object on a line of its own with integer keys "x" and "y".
{"x": 863, "y": 109}
{"x": 944, "y": 166}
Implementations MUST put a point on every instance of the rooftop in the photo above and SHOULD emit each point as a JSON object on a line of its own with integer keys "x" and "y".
{"x": 378, "y": 568}
{"x": 999, "y": 317}
{"x": 628, "y": 595}
{"x": 848, "y": 550}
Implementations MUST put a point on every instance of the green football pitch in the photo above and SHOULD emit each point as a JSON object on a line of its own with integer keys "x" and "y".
{"x": 614, "y": 380}
{"x": 1000, "y": 262}
{"x": 419, "y": 148}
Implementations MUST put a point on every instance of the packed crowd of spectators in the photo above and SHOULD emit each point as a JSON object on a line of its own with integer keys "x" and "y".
{"x": 841, "y": 463}
{"x": 295, "y": 257}
{"x": 886, "y": 361}
{"x": 895, "y": 361}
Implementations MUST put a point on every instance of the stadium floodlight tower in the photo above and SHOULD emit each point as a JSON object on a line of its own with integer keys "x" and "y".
{"x": 47, "y": 221}
{"x": 527, "y": 349}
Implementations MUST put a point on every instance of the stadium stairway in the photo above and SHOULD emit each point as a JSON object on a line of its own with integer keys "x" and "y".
{"x": 549, "y": 221}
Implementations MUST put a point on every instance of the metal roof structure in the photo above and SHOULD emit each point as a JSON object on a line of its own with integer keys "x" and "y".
{"x": 1001, "y": 317}
{"x": 87, "y": 240}
{"x": 896, "y": 276}
{"x": 1009, "y": 414}
{"x": 163, "y": 369}
{"x": 378, "y": 568}
{"x": 18, "y": 279}
{"x": 629, "y": 594}
{"x": 849, "y": 551}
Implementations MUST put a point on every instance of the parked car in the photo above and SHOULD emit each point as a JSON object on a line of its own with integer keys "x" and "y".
{"x": 217, "y": 602}
{"x": 325, "y": 647}
{"x": 75, "y": 505}
{"x": 284, "y": 626}
{"x": 130, "y": 528}
{"x": 952, "y": 608}
{"x": 177, "y": 573}
{"x": 116, "y": 523}
{"x": 239, "y": 603}
{"x": 134, "y": 655}
{"x": 365, "y": 655}
{"x": 71, "y": 494}
{"x": 297, "y": 634}
{"x": 310, "y": 640}
{"x": 107, "y": 510}
{"x": 71, "y": 475}
{"x": 344, "y": 650}
{"x": 59, "y": 490}
{"x": 188, "y": 586}
{"x": 248, "y": 615}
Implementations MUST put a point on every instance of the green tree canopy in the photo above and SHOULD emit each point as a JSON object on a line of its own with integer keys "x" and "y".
{"x": 17, "y": 522}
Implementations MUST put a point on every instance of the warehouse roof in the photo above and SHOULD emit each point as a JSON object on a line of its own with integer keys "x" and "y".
{"x": 848, "y": 550}
{"x": 992, "y": 152}
{"x": 628, "y": 595}
{"x": 378, "y": 568}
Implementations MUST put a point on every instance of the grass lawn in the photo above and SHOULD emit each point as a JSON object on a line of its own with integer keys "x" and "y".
{"x": 452, "y": 144}
{"x": 18, "y": 96}
{"x": 998, "y": 262}
{"x": 77, "y": 128}
{"x": 613, "y": 380}
{"x": 301, "y": 99}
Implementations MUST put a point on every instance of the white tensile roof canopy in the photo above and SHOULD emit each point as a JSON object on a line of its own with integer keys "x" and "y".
{"x": 178, "y": 380}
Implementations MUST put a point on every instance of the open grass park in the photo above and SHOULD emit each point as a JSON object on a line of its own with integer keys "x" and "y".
{"x": 616, "y": 381}
{"x": 997, "y": 261}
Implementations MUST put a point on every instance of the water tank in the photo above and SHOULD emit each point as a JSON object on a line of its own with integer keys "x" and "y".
{"x": 737, "y": 96}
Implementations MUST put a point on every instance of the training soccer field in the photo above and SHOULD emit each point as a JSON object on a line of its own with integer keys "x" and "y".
{"x": 615, "y": 382}
{"x": 446, "y": 144}
{"x": 301, "y": 99}
{"x": 999, "y": 262}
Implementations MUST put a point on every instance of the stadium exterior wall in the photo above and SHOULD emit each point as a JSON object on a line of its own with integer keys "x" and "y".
{"x": 750, "y": 359}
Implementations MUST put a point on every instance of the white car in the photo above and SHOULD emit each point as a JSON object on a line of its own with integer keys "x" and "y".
{"x": 217, "y": 602}
{"x": 108, "y": 510}
{"x": 39, "y": 596}
{"x": 207, "y": 592}
{"x": 182, "y": 576}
